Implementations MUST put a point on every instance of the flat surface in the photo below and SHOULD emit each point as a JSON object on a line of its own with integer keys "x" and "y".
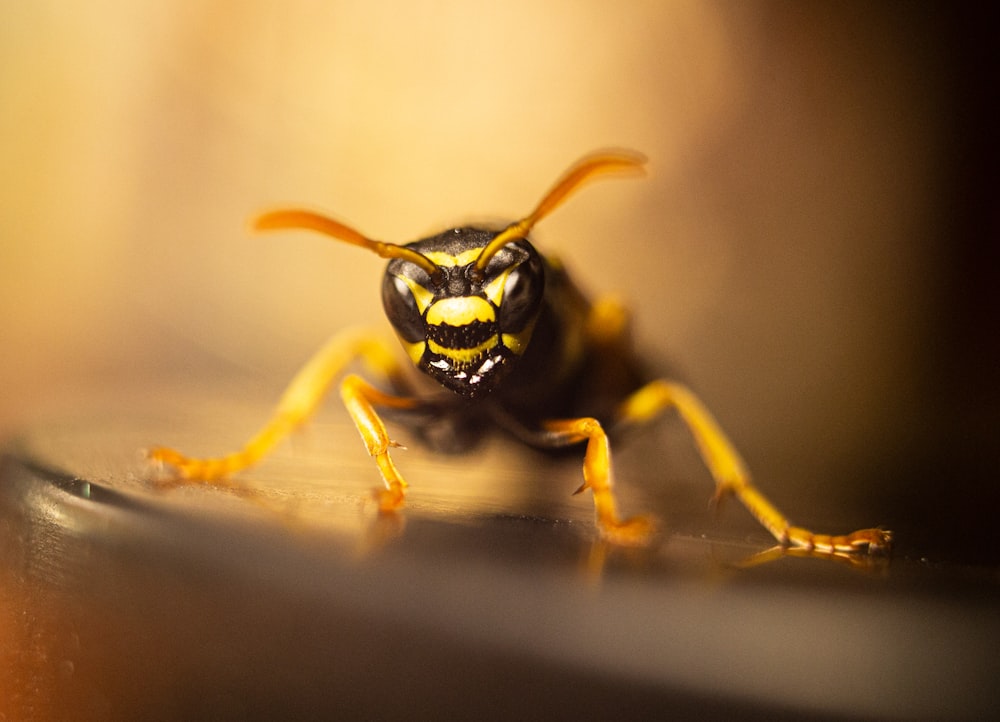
{"x": 290, "y": 597}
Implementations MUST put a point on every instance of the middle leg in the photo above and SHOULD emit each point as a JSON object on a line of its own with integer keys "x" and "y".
{"x": 731, "y": 475}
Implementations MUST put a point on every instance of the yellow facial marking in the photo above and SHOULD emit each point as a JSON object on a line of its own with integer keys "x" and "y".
{"x": 463, "y": 356}
{"x": 494, "y": 290}
{"x": 460, "y": 311}
{"x": 421, "y": 295}
{"x": 464, "y": 258}
{"x": 414, "y": 350}
{"x": 515, "y": 341}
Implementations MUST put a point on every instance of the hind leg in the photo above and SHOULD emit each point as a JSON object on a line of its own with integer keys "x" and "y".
{"x": 731, "y": 475}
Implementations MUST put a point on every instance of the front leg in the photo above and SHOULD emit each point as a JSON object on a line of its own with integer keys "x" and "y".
{"x": 299, "y": 401}
{"x": 731, "y": 475}
{"x": 360, "y": 398}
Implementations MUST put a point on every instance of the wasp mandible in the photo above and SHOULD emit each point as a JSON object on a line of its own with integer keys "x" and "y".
{"x": 518, "y": 347}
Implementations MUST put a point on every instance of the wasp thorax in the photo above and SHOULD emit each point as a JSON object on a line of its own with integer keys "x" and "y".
{"x": 464, "y": 326}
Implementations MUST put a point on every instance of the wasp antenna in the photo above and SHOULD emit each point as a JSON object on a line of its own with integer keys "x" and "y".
{"x": 296, "y": 218}
{"x": 589, "y": 166}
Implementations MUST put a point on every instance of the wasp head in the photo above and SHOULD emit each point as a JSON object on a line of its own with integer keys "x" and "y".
{"x": 465, "y": 323}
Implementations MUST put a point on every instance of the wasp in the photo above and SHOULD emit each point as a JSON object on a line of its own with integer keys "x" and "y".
{"x": 509, "y": 343}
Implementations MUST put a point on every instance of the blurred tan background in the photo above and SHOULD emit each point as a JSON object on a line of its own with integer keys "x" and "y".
{"x": 797, "y": 252}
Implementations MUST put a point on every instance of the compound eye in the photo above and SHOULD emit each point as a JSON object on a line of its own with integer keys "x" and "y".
{"x": 401, "y": 308}
{"x": 522, "y": 295}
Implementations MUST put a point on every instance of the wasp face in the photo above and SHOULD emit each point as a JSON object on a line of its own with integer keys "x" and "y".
{"x": 463, "y": 327}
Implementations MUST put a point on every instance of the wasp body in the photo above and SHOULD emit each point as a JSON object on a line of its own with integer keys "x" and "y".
{"x": 514, "y": 344}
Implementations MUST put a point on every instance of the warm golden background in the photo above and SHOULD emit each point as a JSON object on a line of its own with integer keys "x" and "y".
{"x": 809, "y": 249}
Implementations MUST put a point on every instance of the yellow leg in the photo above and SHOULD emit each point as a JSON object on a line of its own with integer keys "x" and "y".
{"x": 360, "y": 397}
{"x": 597, "y": 477}
{"x": 297, "y": 404}
{"x": 608, "y": 320}
{"x": 731, "y": 475}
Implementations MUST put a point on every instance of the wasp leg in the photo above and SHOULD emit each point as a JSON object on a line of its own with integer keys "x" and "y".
{"x": 296, "y": 405}
{"x": 360, "y": 398}
{"x": 731, "y": 475}
{"x": 608, "y": 320}
{"x": 597, "y": 476}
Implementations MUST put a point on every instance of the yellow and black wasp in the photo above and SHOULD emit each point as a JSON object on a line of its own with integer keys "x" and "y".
{"x": 516, "y": 346}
